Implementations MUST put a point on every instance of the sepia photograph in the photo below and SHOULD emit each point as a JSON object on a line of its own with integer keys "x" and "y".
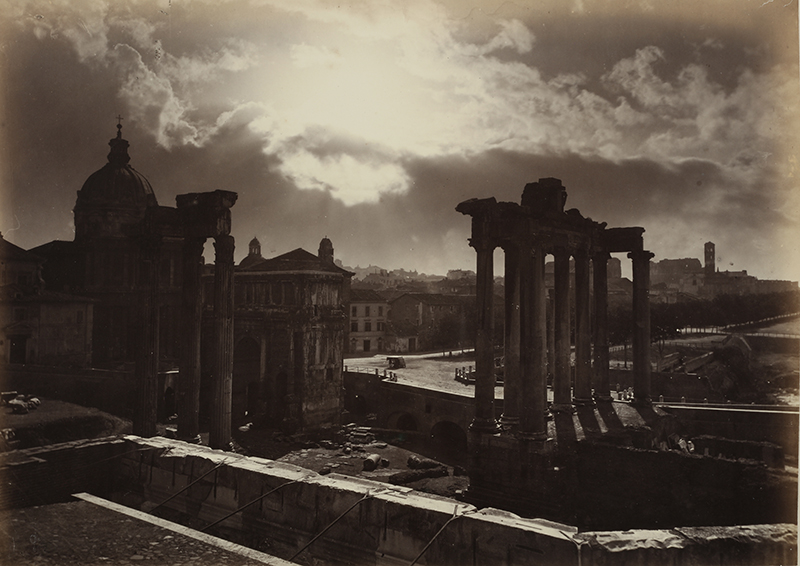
{"x": 398, "y": 282}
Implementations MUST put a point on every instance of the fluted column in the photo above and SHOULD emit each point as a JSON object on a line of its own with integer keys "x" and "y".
{"x": 511, "y": 371}
{"x": 484, "y": 420}
{"x": 583, "y": 345}
{"x": 220, "y": 428}
{"x": 191, "y": 321}
{"x": 641, "y": 322}
{"x": 146, "y": 369}
{"x": 602, "y": 389}
{"x": 533, "y": 424}
{"x": 562, "y": 390}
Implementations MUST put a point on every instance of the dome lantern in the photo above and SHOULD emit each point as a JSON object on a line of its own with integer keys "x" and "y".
{"x": 113, "y": 198}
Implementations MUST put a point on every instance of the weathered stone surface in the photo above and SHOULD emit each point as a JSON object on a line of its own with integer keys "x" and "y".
{"x": 373, "y": 519}
{"x": 371, "y": 462}
{"x": 409, "y": 476}
{"x": 417, "y": 463}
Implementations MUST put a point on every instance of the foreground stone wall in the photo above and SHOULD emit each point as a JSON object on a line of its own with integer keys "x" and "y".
{"x": 378, "y": 523}
{"x": 382, "y": 524}
{"x": 50, "y": 474}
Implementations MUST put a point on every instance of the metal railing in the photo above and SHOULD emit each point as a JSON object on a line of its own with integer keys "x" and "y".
{"x": 383, "y": 374}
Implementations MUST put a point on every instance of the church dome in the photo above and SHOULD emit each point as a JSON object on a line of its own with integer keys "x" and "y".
{"x": 113, "y": 197}
{"x": 253, "y": 255}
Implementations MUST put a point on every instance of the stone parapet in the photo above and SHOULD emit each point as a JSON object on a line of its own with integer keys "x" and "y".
{"x": 366, "y": 522}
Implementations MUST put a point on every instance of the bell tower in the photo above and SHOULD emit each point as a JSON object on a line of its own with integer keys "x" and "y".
{"x": 710, "y": 258}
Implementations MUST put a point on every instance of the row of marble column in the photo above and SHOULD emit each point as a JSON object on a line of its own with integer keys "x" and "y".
{"x": 191, "y": 318}
{"x": 526, "y": 335}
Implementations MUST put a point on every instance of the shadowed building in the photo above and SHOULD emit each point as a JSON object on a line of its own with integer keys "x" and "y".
{"x": 104, "y": 260}
{"x": 39, "y": 326}
{"x": 141, "y": 265}
{"x": 369, "y": 312}
{"x": 289, "y": 337}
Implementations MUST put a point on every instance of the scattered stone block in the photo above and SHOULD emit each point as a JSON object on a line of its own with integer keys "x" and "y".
{"x": 417, "y": 463}
{"x": 409, "y": 476}
{"x": 371, "y": 462}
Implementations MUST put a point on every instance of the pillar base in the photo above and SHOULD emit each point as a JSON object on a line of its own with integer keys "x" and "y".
{"x": 509, "y": 422}
{"x": 533, "y": 436}
{"x": 562, "y": 408}
{"x": 583, "y": 402}
{"x": 484, "y": 426}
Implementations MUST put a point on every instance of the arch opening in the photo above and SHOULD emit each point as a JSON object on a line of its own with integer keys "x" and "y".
{"x": 449, "y": 439}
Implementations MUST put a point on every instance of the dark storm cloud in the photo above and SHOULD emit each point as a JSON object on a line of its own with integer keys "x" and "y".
{"x": 597, "y": 40}
{"x": 681, "y": 207}
{"x": 676, "y": 123}
{"x": 51, "y": 136}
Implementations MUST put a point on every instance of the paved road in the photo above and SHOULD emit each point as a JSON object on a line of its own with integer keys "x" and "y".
{"x": 425, "y": 370}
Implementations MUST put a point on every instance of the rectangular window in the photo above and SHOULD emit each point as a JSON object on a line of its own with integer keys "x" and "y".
{"x": 366, "y": 310}
{"x": 289, "y": 297}
{"x": 353, "y": 327}
{"x": 380, "y": 311}
{"x": 366, "y": 345}
{"x": 380, "y": 327}
{"x": 367, "y": 326}
{"x": 354, "y": 311}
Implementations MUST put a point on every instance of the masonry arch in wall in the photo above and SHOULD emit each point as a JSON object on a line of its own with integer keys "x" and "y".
{"x": 402, "y": 421}
{"x": 448, "y": 436}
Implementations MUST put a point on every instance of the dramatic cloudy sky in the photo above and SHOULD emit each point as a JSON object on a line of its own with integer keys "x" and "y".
{"x": 369, "y": 121}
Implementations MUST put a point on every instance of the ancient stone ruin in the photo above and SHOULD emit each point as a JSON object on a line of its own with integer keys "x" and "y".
{"x": 584, "y": 459}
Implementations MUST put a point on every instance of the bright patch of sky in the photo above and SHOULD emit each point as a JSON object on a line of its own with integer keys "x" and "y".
{"x": 399, "y": 76}
{"x": 341, "y": 98}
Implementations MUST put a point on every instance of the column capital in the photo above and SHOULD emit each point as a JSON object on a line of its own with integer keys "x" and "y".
{"x": 482, "y": 244}
{"x": 580, "y": 251}
{"x": 560, "y": 250}
{"x": 641, "y": 255}
{"x": 223, "y": 247}
{"x": 509, "y": 246}
{"x": 193, "y": 247}
{"x": 193, "y": 241}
